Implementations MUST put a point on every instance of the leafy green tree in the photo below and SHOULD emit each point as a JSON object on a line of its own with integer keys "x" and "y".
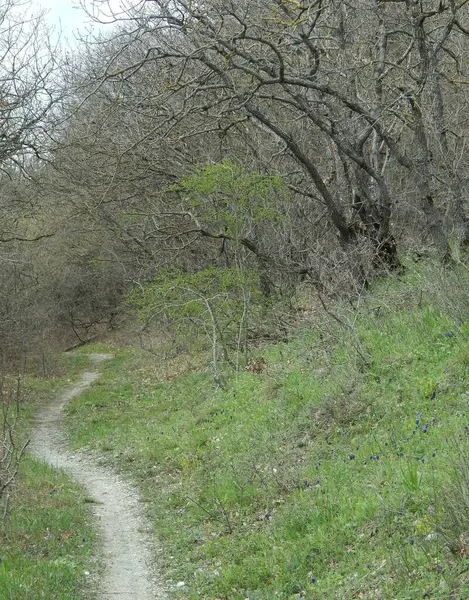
{"x": 229, "y": 198}
{"x": 240, "y": 207}
{"x": 213, "y": 303}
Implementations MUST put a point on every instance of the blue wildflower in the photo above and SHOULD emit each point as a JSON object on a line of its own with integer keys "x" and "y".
{"x": 313, "y": 579}
{"x": 425, "y": 428}
{"x": 411, "y": 540}
{"x": 351, "y": 455}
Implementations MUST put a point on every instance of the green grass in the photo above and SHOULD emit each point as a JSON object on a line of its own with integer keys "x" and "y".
{"x": 36, "y": 391}
{"x": 48, "y": 543}
{"x": 47, "y": 547}
{"x": 313, "y": 479}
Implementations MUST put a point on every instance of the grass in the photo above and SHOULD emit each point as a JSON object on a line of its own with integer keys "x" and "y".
{"x": 36, "y": 390}
{"x": 48, "y": 543}
{"x": 47, "y": 548}
{"x": 337, "y": 472}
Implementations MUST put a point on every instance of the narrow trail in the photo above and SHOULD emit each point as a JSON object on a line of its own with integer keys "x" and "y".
{"x": 122, "y": 528}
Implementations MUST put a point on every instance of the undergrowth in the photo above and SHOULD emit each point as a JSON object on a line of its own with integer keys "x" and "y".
{"x": 338, "y": 471}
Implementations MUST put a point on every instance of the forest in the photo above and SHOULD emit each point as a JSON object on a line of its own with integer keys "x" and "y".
{"x": 208, "y": 178}
{"x": 265, "y": 146}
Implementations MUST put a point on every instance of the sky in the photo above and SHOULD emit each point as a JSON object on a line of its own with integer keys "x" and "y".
{"x": 70, "y": 18}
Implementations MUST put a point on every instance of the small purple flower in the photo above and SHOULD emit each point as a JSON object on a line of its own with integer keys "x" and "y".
{"x": 419, "y": 414}
{"x": 417, "y": 422}
{"x": 411, "y": 540}
{"x": 434, "y": 420}
{"x": 414, "y": 431}
{"x": 306, "y": 483}
{"x": 425, "y": 428}
{"x": 351, "y": 456}
{"x": 368, "y": 566}
{"x": 422, "y": 459}
{"x": 313, "y": 579}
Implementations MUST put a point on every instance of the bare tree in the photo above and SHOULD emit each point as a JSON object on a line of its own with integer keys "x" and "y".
{"x": 345, "y": 88}
{"x": 28, "y": 66}
{"x": 29, "y": 95}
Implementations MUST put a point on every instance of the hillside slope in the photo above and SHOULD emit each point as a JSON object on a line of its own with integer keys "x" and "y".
{"x": 339, "y": 471}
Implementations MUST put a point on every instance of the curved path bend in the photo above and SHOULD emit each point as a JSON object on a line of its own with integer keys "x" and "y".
{"x": 122, "y": 528}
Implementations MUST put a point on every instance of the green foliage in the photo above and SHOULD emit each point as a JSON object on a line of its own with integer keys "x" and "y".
{"x": 175, "y": 293}
{"x": 212, "y": 303}
{"x": 215, "y": 304}
{"x": 230, "y": 198}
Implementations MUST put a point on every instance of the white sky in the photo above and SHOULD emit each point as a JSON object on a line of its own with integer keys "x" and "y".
{"x": 69, "y": 17}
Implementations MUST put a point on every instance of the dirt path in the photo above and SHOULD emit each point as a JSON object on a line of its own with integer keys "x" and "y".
{"x": 123, "y": 530}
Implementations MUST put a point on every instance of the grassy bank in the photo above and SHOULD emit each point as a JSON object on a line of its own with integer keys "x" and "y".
{"x": 340, "y": 471}
{"x": 47, "y": 548}
{"x": 47, "y": 545}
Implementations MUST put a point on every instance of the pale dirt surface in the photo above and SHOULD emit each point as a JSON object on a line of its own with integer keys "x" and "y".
{"x": 122, "y": 528}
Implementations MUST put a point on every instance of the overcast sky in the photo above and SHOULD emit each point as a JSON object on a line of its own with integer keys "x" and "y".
{"x": 69, "y": 16}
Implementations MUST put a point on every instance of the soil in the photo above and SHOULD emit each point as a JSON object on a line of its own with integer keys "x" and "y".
{"x": 126, "y": 547}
